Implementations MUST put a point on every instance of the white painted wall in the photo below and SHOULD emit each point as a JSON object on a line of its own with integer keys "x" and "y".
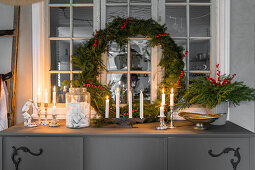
{"x": 242, "y": 57}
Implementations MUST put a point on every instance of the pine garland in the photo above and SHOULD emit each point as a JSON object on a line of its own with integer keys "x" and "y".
{"x": 88, "y": 58}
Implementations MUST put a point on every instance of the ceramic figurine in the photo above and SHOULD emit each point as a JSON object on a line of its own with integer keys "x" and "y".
{"x": 26, "y": 115}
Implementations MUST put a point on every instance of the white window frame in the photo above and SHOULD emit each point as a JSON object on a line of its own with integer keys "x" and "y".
{"x": 41, "y": 65}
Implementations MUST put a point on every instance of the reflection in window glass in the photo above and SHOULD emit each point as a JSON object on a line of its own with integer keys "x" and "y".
{"x": 118, "y": 81}
{"x": 140, "y": 12}
{"x": 116, "y": 1}
{"x": 138, "y": 83}
{"x": 199, "y": 1}
{"x": 115, "y": 11}
{"x": 116, "y": 57}
{"x": 82, "y": 1}
{"x": 175, "y": 1}
{"x": 140, "y": 1}
{"x": 56, "y": 80}
{"x": 60, "y": 55}
{"x": 182, "y": 43}
{"x": 82, "y": 21}
{"x": 60, "y": 22}
{"x": 76, "y": 44}
{"x": 193, "y": 76}
{"x": 200, "y": 21}
{"x": 59, "y": 1}
{"x": 199, "y": 55}
{"x": 176, "y": 21}
{"x": 140, "y": 55}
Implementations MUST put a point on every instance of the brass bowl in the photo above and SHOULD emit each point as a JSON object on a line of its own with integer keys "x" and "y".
{"x": 201, "y": 120}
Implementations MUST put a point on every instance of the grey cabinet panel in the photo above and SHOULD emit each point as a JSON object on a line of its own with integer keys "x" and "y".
{"x": 192, "y": 153}
{"x": 125, "y": 153}
{"x": 59, "y": 153}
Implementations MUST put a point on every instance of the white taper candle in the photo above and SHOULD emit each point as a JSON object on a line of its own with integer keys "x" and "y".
{"x": 141, "y": 104}
{"x": 117, "y": 103}
{"x": 107, "y": 108}
{"x": 130, "y": 104}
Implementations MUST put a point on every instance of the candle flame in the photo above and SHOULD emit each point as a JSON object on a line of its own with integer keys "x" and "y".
{"x": 54, "y": 89}
{"x": 106, "y": 97}
{"x": 172, "y": 90}
{"x": 163, "y": 90}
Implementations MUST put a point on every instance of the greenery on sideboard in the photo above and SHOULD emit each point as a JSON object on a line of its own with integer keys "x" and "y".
{"x": 89, "y": 59}
{"x": 210, "y": 92}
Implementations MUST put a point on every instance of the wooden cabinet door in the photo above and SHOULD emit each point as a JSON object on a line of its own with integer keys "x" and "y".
{"x": 125, "y": 153}
{"x": 59, "y": 153}
{"x": 193, "y": 153}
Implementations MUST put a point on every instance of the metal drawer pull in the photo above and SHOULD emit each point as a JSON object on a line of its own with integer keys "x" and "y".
{"x": 24, "y": 149}
{"x": 227, "y": 150}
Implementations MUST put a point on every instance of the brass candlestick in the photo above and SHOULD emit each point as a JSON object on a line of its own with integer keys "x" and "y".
{"x": 45, "y": 122}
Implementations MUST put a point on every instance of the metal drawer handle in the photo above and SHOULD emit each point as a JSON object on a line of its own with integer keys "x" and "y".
{"x": 24, "y": 149}
{"x": 227, "y": 150}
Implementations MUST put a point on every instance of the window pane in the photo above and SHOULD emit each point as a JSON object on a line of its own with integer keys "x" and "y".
{"x": 118, "y": 81}
{"x": 176, "y": 21}
{"x": 82, "y": 1}
{"x": 140, "y": 1}
{"x": 199, "y": 1}
{"x": 140, "y": 55}
{"x": 60, "y": 22}
{"x": 82, "y": 21}
{"x": 116, "y": 1}
{"x": 60, "y": 54}
{"x": 56, "y": 80}
{"x": 59, "y": 1}
{"x": 140, "y": 12}
{"x": 193, "y": 76}
{"x": 138, "y": 83}
{"x": 115, "y": 11}
{"x": 200, "y": 21}
{"x": 183, "y": 43}
{"x": 200, "y": 55}
{"x": 116, "y": 57}
{"x": 76, "y": 44}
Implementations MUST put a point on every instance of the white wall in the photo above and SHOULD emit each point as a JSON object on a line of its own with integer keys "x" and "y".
{"x": 6, "y": 23}
{"x": 24, "y": 76}
{"x": 242, "y": 61}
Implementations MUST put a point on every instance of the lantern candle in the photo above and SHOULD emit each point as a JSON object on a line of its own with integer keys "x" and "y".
{"x": 162, "y": 110}
{"x": 39, "y": 96}
{"x": 163, "y": 97}
{"x": 130, "y": 104}
{"x": 45, "y": 96}
{"x": 54, "y": 96}
{"x": 107, "y": 108}
{"x": 141, "y": 104}
{"x": 172, "y": 98}
{"x": 117, "y": 103}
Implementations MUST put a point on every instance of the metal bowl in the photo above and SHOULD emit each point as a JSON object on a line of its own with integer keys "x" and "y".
{"x": 201, "y": 120}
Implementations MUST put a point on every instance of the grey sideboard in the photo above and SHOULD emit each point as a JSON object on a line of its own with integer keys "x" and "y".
{"x": 228, "y": 147}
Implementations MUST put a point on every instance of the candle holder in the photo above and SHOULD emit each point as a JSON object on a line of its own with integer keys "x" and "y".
{"x": 171, "y": 124}
{"x": 45, "y": 106}
{"x": 162, "y": 125}
{"x": 124, "y": 122}
{"x": 39, "y": 105}
{"x": 54, "y": 122}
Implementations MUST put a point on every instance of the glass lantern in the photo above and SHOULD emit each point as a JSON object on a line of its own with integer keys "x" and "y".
{"x": 78, "y": 108}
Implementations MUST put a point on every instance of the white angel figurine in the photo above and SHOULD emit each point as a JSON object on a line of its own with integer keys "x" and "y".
{"x": 26, "y": 115}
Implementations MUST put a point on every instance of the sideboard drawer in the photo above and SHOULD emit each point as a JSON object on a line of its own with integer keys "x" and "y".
{"x": 193, "y": 153}
{"x": 58, "y": 153}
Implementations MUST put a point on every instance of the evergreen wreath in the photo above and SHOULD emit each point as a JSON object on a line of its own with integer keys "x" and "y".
{"x": 88, "y": 58}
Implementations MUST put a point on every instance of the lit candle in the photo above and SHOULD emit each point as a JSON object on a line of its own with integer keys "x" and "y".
{"x": 162, "y": 110}
{"x": 117, "y": 103}
{"x": 54, "y": 110}
{"x": 107, "y": 108}
{"x": 172, "y": 98}
{"x": 39, "y": 96}
{"x": 54, "y": 96}
{"x": 130, "y": 104}
{"x": 163, "y": 97}
{"x": 141, "y": 104}
{"x": 45, "y": 96}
